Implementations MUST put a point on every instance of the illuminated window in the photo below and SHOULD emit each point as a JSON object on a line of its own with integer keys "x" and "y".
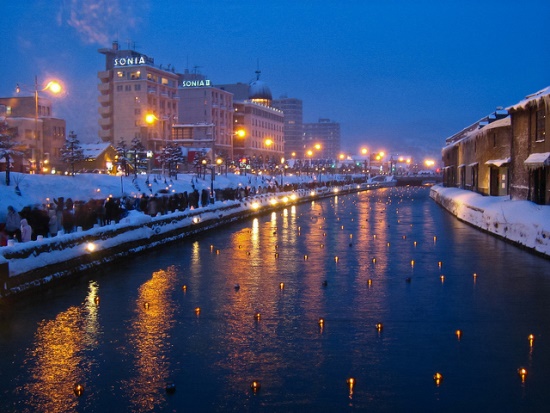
{"x": 120, "y": 74}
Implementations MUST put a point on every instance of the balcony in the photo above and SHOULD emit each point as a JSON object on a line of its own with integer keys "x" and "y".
{"x": 105, "y": 110}
{"x": 105, "y": 122}
{"x": 104, "y": 87}
{"x": 104, "y": 99}
{"x": 104, "y": 75}
{"x": 106, "y": 135}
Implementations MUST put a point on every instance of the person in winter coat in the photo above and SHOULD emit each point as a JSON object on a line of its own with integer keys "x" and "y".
{"x": 26, "y": 231}
{"x": 13, "y": 224}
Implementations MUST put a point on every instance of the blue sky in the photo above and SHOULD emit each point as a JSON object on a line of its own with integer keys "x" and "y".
{"x": 398, "y": 75}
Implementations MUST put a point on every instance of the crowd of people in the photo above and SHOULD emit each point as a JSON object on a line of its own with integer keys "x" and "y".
{"x": 65, "y": 215}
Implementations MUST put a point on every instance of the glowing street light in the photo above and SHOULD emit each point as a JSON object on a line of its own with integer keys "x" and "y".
{"x": 53, "y": 87}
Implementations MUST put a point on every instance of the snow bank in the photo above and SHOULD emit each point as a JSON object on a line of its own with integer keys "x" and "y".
{"x": 521, "y": 222}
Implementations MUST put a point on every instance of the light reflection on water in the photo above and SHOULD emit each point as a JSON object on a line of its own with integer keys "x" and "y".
{"x": 125, "y": 353}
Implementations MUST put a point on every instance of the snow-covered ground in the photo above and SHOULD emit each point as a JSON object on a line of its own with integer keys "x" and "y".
{"x": 43, "y": 189}
{"x": 523, "y": 222}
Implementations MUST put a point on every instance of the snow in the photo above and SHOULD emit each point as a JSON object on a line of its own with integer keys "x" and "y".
{"x": 43, "y": 189}
{"x": 530, "y": 98}
{"x": 522, "y": 222}
{"x": 537, "y": 160}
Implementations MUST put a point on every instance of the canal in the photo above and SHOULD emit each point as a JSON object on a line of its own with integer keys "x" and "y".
{"x": 383, "y": 287}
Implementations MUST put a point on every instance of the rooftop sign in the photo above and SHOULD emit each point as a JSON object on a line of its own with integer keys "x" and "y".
{"x": 196, "y": 83}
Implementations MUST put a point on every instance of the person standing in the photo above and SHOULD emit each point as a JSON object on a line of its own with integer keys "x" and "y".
{"x": 13, "y": 224}
{"x": 26, "y": 231}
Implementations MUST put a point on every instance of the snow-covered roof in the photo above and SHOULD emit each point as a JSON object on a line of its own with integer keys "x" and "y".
{"x": 537, "y": 160}
{"x": 497, "y": 119}
{"x": 530, "y": 99}
{"x": 93, "y": 150}
{"x": 498, "y": 162}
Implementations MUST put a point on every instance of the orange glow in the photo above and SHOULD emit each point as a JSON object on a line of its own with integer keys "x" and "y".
{"x": 241, "y": 133}
{"x": 150, "y": 118}
{"x": 438, "y": 378}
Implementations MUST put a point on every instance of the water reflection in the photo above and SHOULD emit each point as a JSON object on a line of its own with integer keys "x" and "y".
{"x": 149, "y": 342}
{"x": 61, "y": 357}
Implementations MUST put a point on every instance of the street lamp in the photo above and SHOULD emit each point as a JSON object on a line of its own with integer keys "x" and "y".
{"x": 52, "y": 86}
{"x": 364, "y": 152}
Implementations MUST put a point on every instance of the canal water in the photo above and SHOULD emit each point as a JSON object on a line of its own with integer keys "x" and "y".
{"x": 383, "y": 287}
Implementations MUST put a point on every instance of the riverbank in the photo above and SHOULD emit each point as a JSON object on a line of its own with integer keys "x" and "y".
{"x": 32, "y": 265}
{"x": 522, "y": 223}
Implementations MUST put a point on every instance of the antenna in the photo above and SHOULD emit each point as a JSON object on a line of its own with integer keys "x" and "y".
{"x": 258, "y": 71}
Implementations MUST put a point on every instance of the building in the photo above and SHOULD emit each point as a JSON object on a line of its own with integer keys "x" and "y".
{"x": 98, "y": 158}
{"x": 530, "y": 163}
{"x": 293, "y": 129}
{"x": 323, "y": 139}
{"x": 205, "y": 117}
{"x": 477, "y": 158}
{"x": 258, "y": 127}
{"x": 41, "y": 134}
{"x": 137, "y": 99}
{"x": 506, "y": 153}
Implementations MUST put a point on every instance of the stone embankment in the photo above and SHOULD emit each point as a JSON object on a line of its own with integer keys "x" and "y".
{"x": 28, "y": 266}
{"x": 522, "y": 223}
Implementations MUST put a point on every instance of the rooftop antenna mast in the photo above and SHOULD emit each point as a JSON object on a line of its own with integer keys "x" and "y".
{"x": 258, "y": 71}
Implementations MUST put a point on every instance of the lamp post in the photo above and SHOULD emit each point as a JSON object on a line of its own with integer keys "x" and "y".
{"x": 53, "y": 87}
{"x": 365, "y": 152}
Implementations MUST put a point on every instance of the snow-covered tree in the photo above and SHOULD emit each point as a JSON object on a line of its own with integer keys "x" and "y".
{"x": 171, "y": 156}
{"x": 138, "y": 152}
{"x": 7, "y": 147}
{"x": 122, "y": 151}
{"x": 72, "y": 152}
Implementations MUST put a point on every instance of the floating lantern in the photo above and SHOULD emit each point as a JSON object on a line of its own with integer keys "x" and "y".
{"x": 414, "y": 243}
{"x": 351, "y": 235}
{"x": 374, "y": 236}
{"x": 217, "y": 252}
{"x": 321, "y": 322}
{"x": 369, "y": 282}
{"x": 351, "y": 384}
{"x": 438, "y": 378}
{"x": 336, "y": 259}
{"x": 374, "y": 260}
{"x": 184, "y": 288}
{"x": 440, "y": 264}
{"x": 78, "y": 389}
{"x": 255, "y": 386}
{"x": 305, "y": 257}
{"x": 531, "y": 339}
{"x": 522, "y": 373}
{"x": 324, "y": 234}
{"x": 211, "y": 248}
{"x": 96, "y": 300}
{"x": 379, "y": 327}
{"x": 322, "y": 245}
{"x": 412, "y": 263}
{"x": 282, "y": 286}
{"x": 475, "y": 276}
{"x": 458, "y": 334}
{"x": 442, "y": 277}
{"x": 257, "y": 316}
{"x": 146, "y": 305}
{"x": 197, "y": 310}
{"x": 404, "y": 237}
{"x": 388, "y": 244}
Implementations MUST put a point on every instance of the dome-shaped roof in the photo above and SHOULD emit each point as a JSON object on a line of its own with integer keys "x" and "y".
{"x": 259, "y": 90}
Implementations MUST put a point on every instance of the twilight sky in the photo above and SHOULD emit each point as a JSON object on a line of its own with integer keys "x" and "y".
{"x": 398, "y": 75}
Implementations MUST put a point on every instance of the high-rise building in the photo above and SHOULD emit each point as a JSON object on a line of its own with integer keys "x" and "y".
{"x": 41, "y": 134}
{"x": 258, "y": 128}
{"x": 293, "y": 129}
{"x": 205, "y": 118}
{"x": 137, "y": 99}
{"x": 325, "y": 133}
